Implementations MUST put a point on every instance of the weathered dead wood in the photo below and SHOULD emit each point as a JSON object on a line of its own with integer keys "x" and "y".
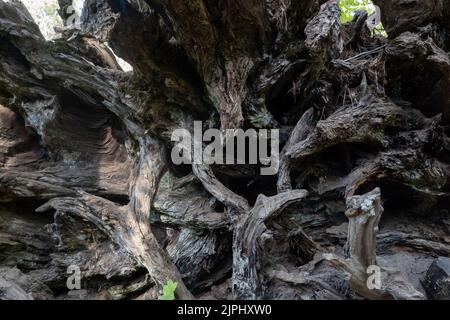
{"x": 364, "y": 213}
{"x": 359, "y": 124}
{"x": 197, "y": 211}
{"x": 224, "y": 74}
{"x": 14, "y": 285}
{"x": 132, "y": 230}
{"x": 125, "y": 229}
{"x": 230, "y": 199}
{"x": 300, "y": 132}
{"x": 249, "y": 236}
{"x": 399, "y": 16}
{"x": 201, "y": 257}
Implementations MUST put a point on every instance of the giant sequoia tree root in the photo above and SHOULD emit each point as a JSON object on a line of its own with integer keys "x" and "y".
{"x": 86, "y": 178}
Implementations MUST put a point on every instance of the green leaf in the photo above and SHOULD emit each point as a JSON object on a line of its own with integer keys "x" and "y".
{"x": 50, "y": 10}
{"x": 348, "y": 8}
{"x": 169, "y": 290}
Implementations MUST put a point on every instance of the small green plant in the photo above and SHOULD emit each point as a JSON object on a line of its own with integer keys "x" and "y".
{"x": 169, "y": 290}
{"x": 50, "y": 9}
{"x": 348, "y": 8}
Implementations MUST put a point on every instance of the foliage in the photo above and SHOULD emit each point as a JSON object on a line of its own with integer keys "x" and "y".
{"x": 50, "y": 9}
{"x": 169, "y": 290}
{"x": 348, "y": 8}
{"x": 45, "y": 14}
